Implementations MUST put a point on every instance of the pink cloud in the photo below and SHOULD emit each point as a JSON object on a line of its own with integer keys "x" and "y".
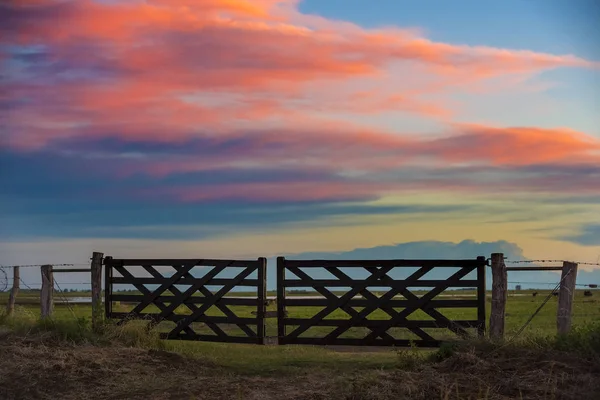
{"x": 121, "y": 69}
{"x": 254, "y": 84}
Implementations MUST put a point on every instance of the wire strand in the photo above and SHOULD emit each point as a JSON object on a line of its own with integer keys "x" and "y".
{"x": 550, "y": 295}
{"x": 549, "y": 261}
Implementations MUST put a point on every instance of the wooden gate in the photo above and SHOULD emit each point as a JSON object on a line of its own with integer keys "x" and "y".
{"x": 175, "y": 297}
{"x": 401, "y": 316}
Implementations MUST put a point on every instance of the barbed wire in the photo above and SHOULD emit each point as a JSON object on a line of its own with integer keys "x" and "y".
{"x": 41, "y": 265}
{"x": 65, "y": 299}
{"x": 550, "y": 295}
{"x": 3, "y": 280}
{"x": 549, "y": 261}
{"x": 590, "y": 285}
{"x": 26, "y": 285}
{"x": 62, "y": 283}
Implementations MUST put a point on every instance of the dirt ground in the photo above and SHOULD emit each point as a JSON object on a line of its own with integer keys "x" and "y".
{"x": 31, "y": 368}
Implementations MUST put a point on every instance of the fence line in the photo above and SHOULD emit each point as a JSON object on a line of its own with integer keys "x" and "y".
{"x": 565, "y": 289}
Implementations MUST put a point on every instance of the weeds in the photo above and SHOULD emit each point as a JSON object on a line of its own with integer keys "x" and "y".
{"x": 79, "y": 330}
{"x": 531, "y": 367}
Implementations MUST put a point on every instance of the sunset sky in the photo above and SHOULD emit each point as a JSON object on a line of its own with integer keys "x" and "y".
{"x": 246, "y": 128}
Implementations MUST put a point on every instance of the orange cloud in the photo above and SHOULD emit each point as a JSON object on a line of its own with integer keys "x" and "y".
{"x": 517, "y": 146}
{"x": 173, "y": 71}
{"x": 343, "y": 151}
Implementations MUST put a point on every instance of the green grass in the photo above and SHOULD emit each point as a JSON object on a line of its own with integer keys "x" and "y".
{"x": 518, "y": 310}
{"x": 547, "y": 366}
{"x": 73, "y": 320}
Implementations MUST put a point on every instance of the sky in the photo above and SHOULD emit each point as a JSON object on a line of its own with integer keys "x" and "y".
{"x": 239, "y": 129}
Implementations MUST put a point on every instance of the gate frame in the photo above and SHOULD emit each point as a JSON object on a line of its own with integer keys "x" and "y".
{"x": 379, "y": 328}
{"x": 182, "y": 273}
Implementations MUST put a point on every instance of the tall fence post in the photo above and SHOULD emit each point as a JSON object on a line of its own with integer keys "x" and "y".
{"x": 565, "y": 297}
{"x": 10, "y": 307}
{"x": 46, "y": 294}
{"x": 499, "y": 294}
{"x": 96, "y": 271}
{"x": 280, "y": 299}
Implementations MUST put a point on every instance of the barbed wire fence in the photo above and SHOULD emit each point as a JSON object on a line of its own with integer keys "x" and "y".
{"x": 583, "y": 310}
{"x": 30, "y": 289}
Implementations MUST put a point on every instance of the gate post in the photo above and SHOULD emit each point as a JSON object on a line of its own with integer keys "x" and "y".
{"x": 499, "y": 294}
{"x": 565, "y": 297}
{"x": 262, "y": 299}
{"x": 96, "y": 270}
{"x": 280, "y": 299}
{"x": 46, "y": 294}
{"x": 481, "y": 296}
{"x": 108, "y": 273}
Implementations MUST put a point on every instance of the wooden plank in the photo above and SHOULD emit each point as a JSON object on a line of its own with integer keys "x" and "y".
{"x": 366, "y": 323}
{"x": 10, "y": 307}
{"x": 180, "y": 317}
{"x": 262, "y": 298}
{"x": 499, "y": 296}
{"x": 381, "y": 263}
{"x": 343, "y": 299}
{"x": 281, "y": 331}
{"x": 170, "y": 281}
{"x": 162, "y": 307}
{"x": 371, "y": 297}
{"x": 467, "y": 303}
{"x": 96, "y": 278}
{"x": 128, "y": 262}
{"x": 207, "y": 295}
{"x": 331, "y": 297}
{"x": 379, "y": 283}
{"x": 565, "y": 297}
{"x": 176, "y": 292}
{"x": 211, "y": 338}
{"x": 421, "y": 302}
{"x": 229, "y": 301}
{"x": 46, "y": 294}
{"x": 71, "y": 270}
{"x": 182, "y": 281}
{"x": 362, "y": 342}
{"x": 241, "y": 276}
{"x": 197, "y": 311}
{"x": 534, "y": 268}
{"x": 481, "y": 298}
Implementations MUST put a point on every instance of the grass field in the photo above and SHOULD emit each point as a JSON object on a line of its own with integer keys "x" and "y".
{"x": 520, "y": 306}
{"x": 62, "y": 358}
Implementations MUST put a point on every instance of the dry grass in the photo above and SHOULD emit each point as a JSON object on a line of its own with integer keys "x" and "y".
{"x": 46, "y": 366}
{"x": 64, "y": 359}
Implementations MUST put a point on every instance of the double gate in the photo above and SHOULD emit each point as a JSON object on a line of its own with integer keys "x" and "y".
{"x": 319, "y": 302}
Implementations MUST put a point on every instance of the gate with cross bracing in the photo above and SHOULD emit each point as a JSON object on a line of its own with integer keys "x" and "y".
{"x": 319, "y": 302}
{"x": 189, "y": 299}
{"x": 380, "y": 302}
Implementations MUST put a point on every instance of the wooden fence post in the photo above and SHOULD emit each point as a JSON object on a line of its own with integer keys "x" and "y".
{"x": 499, "y": 294}
{"x": 46, "y": 294}
{"x": 96, "y": 271}
{"x": 565, "y": 297}
{"x": 10, "y": 307}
